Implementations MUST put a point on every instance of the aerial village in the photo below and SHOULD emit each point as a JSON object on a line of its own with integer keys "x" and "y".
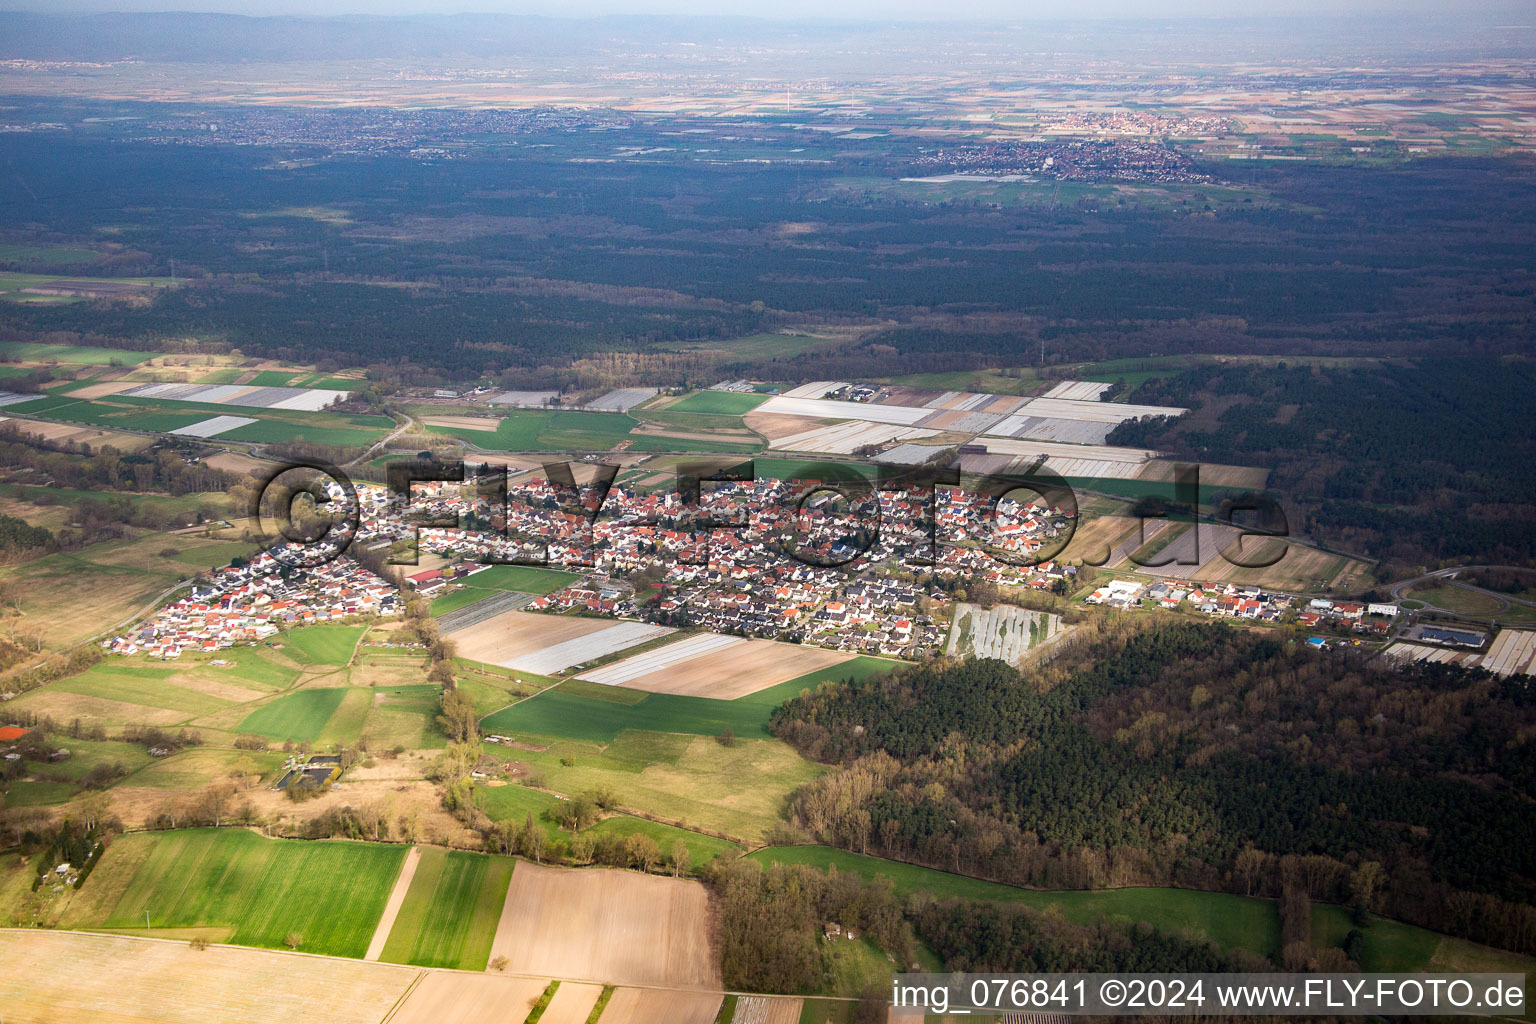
{"x": 752, "y": 559}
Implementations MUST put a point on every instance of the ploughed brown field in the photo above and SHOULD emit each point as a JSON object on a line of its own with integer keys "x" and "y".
{"x": 655, "y": 1006}
{"x": 737, "y": 671}
{"x": 513, "y": 634}
{"x": 47, "y": 977}
{"x": 454, "y": 998}
{"x": 609, "y": 926}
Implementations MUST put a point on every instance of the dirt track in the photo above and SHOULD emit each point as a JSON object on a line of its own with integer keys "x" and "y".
{"x": 392, "y": 908}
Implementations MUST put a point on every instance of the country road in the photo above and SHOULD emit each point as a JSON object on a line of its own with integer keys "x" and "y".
{"x": 1403, "y": 590}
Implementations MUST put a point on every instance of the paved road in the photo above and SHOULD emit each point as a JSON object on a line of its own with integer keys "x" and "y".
{"x": 1403, "y": 591}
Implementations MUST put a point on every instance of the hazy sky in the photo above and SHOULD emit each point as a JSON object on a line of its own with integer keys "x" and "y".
{"x": 851, "y": 9}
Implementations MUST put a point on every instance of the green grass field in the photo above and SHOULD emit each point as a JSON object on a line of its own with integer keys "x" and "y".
{"x": 997, "y": 381}
{"x": 23, "y": 350}
{"x": 1392, "y": 946}
{"x": 324, "y": 644}
{"x": 273, "y": 379}
{"x": 521, "y": 578}
{"x": 451, "y": 910}
{"x": 515, "y": 803}
{"x": 729, "y": 403}
{"x": 653, "y": 443}
{"x": 87, "y": 754}
{"x": 162, "y": 416}
{"x": 600, "y": 713}
{"x": 1460, "y": 600}
{"x": 215, "y": 555}
{"x": 1231, "y": 922}
{"x": 49, "y": 255}
{"x": 297, "y": 716}
{"x": 38, "y": 794}
{"x": 404, "y": 716}
{"x": 146, "y": 685}
{"x": 253, "y": 889}
{"x": 701, "y": 848}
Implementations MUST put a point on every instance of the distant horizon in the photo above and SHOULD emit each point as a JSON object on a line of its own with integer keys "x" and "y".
{"x": 1492, "y": 12}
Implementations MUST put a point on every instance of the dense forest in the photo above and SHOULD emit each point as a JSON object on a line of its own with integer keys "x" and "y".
{"x": 1431, "y": 461}
{"x": 1171, "y": 754}
{"x": 533, "y": 257}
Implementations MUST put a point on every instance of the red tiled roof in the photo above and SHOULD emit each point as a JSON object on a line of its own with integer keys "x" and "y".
{"x": 11, "y": 732}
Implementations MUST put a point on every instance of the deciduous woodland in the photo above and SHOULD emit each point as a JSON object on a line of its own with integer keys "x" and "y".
{"x": 1186, "y": 755}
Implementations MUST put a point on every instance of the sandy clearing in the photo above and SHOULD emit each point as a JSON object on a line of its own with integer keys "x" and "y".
{"x": 111, "y": 979}
{"x": 767, "y": 1010}
{"x": 572, "y": 1004}
{"x": 469, "y": 999}
{"x": 652, "y": 1006}
{"x": 603, "y": 925}
{"x": 514, "y": 633}
{"x": 463, "y": 422}
{"x": 735, "y": 671}
{"x": 396, "y": 901}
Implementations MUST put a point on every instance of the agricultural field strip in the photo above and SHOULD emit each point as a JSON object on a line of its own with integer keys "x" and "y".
{"x": 396, "y": 901}
{"x": 561, "y": 656}
{"x": 572, "y": 1004}
{"x": 622, "y": 399}
{"x": 603, "y": 925}
{"x": 1400, "y": 652}
{"x": 846, "y": 438}
{"x": 298, "y": 399}
{"x": 493, "y": 604}
{"x": 214, "y": 426}
{"x": 1512, "y": 651}
{"x": 117, "y": 979}
{"x": 442, "y": 998}
{"x": 1079, "y": 390}
{"x": 767, "y": 1010}
{"x": 1005, "y": 632}
{"x": 651, "y": 1006}
{"x": 814, "y": 389}
{"x": 1051, "y": 450}
{"x": 818, "y": 408}
{"x": 662, "y": 657}
{"x": 1039, "y": 428}
{"x": 528, "y": 398}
